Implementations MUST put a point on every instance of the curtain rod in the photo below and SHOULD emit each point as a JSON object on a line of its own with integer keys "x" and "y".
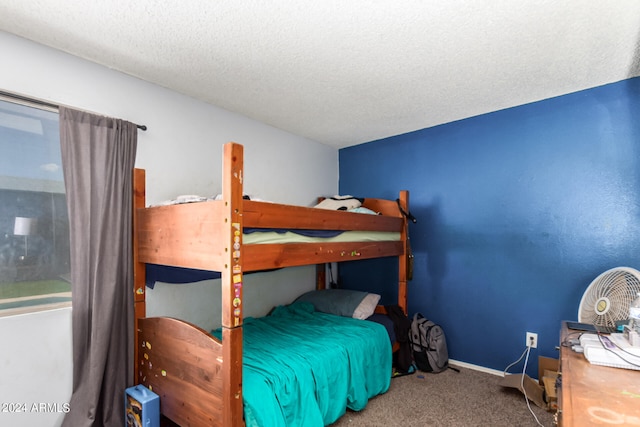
{"x": 45, "y": 104}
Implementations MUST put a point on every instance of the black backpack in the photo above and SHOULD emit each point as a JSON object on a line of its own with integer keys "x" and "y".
{"x": 429, "y": 345}
{"x": 403, "y": 358}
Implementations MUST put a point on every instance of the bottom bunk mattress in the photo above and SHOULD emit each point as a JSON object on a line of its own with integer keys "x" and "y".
{"x": 305, "y": 368}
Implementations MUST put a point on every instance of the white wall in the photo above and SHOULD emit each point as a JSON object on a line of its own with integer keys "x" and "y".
{"x": 260, "y": 294}
{"x": 182, "y": 153}
{"x": 35, "y": 368}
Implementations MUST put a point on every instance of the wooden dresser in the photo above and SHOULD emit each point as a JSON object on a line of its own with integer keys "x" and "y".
{"x": 592, "y": 395}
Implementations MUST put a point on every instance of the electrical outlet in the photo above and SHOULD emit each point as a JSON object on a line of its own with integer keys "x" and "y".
{"x": 532, "y": 340}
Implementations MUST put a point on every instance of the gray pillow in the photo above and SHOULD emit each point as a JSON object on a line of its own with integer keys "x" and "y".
{"x": 366, "y": 307}
{"x": 342, "y": 302}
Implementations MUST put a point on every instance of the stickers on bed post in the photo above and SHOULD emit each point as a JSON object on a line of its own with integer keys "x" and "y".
{"x": 353, "y": 253}
{"x": 236, "y": 240}
{"x": 237, "y": 274}
{"x": 237, "y": 295}
{"x": 238, "y": 175}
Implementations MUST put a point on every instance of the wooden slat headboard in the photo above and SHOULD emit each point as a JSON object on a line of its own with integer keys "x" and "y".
{"x": 183, "y": 365}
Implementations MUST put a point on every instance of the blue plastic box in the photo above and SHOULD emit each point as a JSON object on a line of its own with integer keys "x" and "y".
{"x": 141, "y": 407}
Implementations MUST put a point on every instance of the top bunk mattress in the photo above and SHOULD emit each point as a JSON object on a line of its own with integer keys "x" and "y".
{"x": 261, "y": 236}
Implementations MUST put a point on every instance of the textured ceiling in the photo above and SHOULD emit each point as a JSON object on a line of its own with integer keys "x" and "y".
{"x": 346, "y": 72}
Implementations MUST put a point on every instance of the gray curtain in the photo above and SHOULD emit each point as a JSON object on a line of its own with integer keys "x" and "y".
{"x": 98, "y": 156}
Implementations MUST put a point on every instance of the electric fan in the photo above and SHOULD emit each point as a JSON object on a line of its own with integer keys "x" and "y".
{"x": 607, "y": 299}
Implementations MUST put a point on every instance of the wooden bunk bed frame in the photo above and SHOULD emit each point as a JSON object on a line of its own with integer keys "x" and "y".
{"x": 198, "y": 378}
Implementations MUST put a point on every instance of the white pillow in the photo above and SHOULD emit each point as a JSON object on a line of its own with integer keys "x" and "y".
{"x": 366, "y": 307}
{"x": 362, "y": 209}
{"x": 340, "y": 203}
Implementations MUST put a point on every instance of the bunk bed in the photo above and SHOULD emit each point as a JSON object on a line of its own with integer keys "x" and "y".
{"x": 199, "y": 376}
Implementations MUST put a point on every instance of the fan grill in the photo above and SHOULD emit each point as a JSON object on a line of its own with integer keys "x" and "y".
{"x": 607, "y": 299}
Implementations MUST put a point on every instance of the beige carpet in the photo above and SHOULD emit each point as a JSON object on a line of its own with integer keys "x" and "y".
{"x": 449, "y": 399}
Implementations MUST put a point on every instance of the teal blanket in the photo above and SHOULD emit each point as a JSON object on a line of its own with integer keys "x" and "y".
{"x": 305, "y": 368}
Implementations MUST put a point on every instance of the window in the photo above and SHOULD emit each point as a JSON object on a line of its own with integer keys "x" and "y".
{"x": 34, "y": 225}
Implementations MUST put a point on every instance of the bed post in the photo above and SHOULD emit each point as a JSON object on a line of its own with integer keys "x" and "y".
{"x": 321, "y": 276}
{"x": 321, "y": 269}
{"x": 232, "y": 180}
{"x": 139, "y": 271}
{"x": 403, "y": 259}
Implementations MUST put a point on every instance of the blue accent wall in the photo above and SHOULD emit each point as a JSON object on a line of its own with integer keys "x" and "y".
{"x": 518, "y": 211}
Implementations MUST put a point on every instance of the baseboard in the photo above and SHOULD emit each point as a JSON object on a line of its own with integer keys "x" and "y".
{"x": 459, "y": 364}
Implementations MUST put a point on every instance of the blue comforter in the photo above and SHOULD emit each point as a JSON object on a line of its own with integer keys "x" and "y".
{"x": 305, "y": 368}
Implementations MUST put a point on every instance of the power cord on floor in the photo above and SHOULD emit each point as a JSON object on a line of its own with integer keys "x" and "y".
{"x": 524, "y": 354}
{"x": 524, "y": 370}
{"x": 519, "y": 359}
